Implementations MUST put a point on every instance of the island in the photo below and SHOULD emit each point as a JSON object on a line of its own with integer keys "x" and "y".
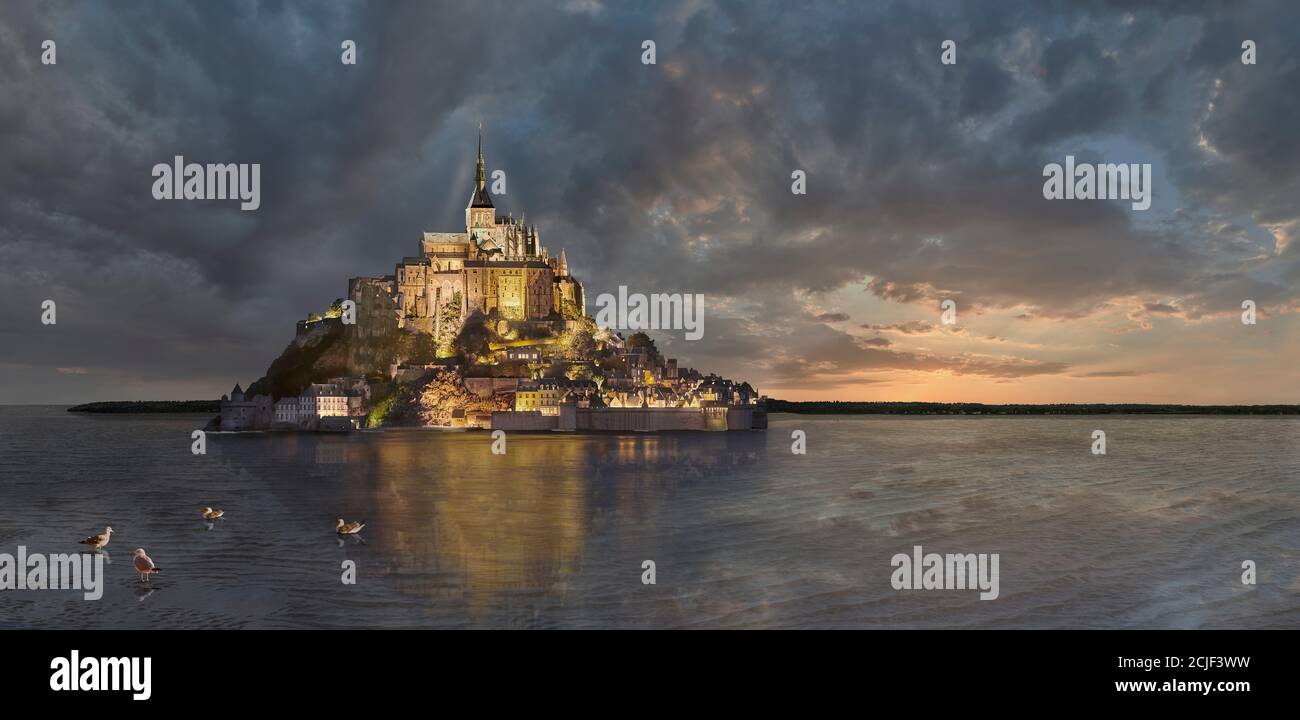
{"x": 482, "y": 328}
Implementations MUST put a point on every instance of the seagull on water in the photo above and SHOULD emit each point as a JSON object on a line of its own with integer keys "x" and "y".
{"x": 351, "y": 528}
{"x": 98, "y": 541}
{"x": 210, "y": 514}
{"x": 144, "y": 565}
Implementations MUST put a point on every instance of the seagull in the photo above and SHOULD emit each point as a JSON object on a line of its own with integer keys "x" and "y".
{"x": 351, "y": 528}
{"x": 210, "y": 514}
{"x": 98, "y": 541}
{"x": 144, "y": 565}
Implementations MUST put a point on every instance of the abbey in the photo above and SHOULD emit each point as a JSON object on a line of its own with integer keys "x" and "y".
{"x": 498, "y": 266}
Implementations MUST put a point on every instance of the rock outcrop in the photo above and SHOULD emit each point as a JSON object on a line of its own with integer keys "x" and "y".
{"x": 318, "y": 352}
{"x": 438, "y": 397}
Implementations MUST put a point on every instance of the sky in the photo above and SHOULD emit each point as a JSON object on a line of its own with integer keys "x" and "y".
{"x": 924, "y": 183}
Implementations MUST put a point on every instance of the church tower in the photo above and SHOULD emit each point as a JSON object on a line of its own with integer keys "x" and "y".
{"x": 480, "y": 213}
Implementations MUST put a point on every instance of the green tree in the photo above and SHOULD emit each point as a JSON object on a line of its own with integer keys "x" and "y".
{"x": 580, "y": 371}
{"x": 641, "y": 340}
{"x": 569, "y": 310}
{"x": 450, "y": 321}
{"x": 579, "y": 343}
{"x": 472, "y": 342}
{"x": 420, "y": 348}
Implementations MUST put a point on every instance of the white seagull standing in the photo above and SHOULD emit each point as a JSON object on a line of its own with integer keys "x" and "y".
{"x": 144, "y": 565}
{"x": 98, "y": 541}
{"x": 351, "y": 528}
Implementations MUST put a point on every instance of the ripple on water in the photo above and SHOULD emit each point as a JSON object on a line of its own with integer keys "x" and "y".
{"x": 742, "y": 532}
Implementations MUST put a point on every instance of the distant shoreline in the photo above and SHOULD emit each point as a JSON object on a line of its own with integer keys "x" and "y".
{"x": 929, "y": 408}
{"x": 139, "y": 407}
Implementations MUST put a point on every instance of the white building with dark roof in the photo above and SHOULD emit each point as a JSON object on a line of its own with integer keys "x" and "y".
{"x": 320, "y": 400}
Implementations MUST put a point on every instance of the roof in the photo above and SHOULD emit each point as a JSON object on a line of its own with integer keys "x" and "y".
{"x": 555, "y": 384}
{"x": 507, "y": 264}
{"x": 445, "y": 237}
{"x": 321, "y": 390}
{"x": 480, "y": 198}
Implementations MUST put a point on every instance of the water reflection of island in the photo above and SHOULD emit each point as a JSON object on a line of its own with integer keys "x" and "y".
{"x": 452, "y": 520}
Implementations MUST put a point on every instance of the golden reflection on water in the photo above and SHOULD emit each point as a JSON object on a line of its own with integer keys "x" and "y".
{"x": 463, "y": 521}
{"x": 518, "y": 522}
{"x": 448, "y": 519}
{"x": 515, "y": 528}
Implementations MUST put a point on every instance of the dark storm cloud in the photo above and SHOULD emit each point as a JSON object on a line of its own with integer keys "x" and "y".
{"x": 832, "y": 317}
{"x": 1160, "y": 308}
{"x": 912, "y": 327}
{"x": 923, "y": 180}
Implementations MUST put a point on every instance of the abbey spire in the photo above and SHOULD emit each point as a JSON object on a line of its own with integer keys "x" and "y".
{"x": 480, "y": 198}
{"x": 480, "y": 178}
{"x": 480, "y": 212}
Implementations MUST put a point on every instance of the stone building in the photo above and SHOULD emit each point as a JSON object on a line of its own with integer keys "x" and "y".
{"x": 286, "y": 411}
{"x": 240, "y": 413}
{"x": 345, "y": 398}
{"x": 497, "y": 265}
{"x": 547, "y": 395}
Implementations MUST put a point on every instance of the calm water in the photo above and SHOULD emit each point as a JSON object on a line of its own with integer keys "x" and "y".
{"x": 744, "y": 534}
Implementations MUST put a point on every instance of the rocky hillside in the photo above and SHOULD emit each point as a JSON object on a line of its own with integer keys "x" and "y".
{"x": 322, "y": 351}
{"x": 325, "y": 348}
{"x": 434, "y": 399}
